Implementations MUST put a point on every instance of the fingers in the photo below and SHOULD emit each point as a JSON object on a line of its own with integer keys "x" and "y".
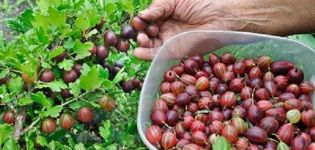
{"x": 145, "y": 53}
{"x": 148, "y": 53}
{"x": 158, "y": 9}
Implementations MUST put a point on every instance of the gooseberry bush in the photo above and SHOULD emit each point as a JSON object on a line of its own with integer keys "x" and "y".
{"x": 68, "y": 79}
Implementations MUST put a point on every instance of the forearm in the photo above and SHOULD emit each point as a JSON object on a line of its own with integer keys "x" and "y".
{"x": 278, "y": 17}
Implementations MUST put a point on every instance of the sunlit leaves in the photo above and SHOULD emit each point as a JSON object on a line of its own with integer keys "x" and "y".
{"x": 7, "y": 129}
{"x": 66, "y": 64}
{"x": 51, "y": 112}
{"x": 91, "y": 80}
{"x": 55, "y": 86}
{"x": 105, "y": 131}
{"x": 40, "y": 98}
{"x": 82, "y": 49}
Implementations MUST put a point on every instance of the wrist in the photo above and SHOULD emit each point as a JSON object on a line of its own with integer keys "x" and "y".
{"x": 267, "y": 16}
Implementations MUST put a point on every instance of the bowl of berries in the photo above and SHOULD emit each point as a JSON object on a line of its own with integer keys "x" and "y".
{"x": 233, "y": 90}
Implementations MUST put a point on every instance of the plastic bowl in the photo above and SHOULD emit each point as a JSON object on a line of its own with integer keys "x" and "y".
{"x": 201, "y": 42}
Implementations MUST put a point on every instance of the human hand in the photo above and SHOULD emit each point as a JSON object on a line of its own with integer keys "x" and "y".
{"x": 176, "y": 16}
{"x": 280, "y": 17}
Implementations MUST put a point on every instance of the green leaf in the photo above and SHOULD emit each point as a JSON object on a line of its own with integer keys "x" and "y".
{"x": 41, "y": 140}
{"x": 60, "y": 146}
{"x": 66, "y": 64}
{"x": 40, "y": 21}
{"x": 82, "y": 23}
{"x": 119, "y": 76}
{"x": 55, "y": 85}
{"x": 127, "y": 4}
{"x": 107, "y": 84}
{"x": 56, "y": 17}
{"x": 43, "y": 5}
{"x": 91, "y": 80}
{"x": 4, "y": 73}
{"x": 25, "y": 101}
{"x": 221, "y": 144}
{"x": 85, "y": 69}
{"x": 82, "y": 50}
{"x": 75, "y": 89}
{"x": 92, "y": 32}
{"x": 104, "y": 73}
{"x": 42, "y": 36}
{"x": 69, "y": 43}
{"x": 40, "y": 98}
{"x": 11, "y": 144}
{"x": 23, "y": 22}
{"x": 112, "y": 147}
{"x": 29, "y": 142}
{"x": 282, "y": 146}
{"x": 56, "y": 52}
{"x": 51, "y": 112}
{"x": 15, "y": 85}
{"x": 105, "y": 131}
{"x": 79, "y": 146}
{"x": 7, "y": 129}
{"x": 55, "y": 145}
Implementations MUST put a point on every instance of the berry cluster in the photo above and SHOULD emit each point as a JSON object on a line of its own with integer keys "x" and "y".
{"x": 252, "y": 103}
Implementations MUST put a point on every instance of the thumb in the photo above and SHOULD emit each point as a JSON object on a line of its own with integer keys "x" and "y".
{"x": 158, "y": 9}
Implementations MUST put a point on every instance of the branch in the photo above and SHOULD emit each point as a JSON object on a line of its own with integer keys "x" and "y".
{"x": 20, "y": 133}
{"x": 30, "y": 126}
{"x": 18, "y": 127}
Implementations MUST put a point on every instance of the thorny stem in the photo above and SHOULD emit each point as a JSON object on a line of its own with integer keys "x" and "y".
{"x": 18, "y": 128}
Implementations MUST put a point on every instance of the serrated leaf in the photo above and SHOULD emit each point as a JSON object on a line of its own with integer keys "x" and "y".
{"x": 82, "y": 49}
{"x": 92, "y": 32}
{"x": 105, "y": 131}
{"x": 85, "y": 69}
{"x": 4, "y": 73}
{"x": 75, "y": 89}
{"x": 60, "y": 146}
{"x": 7, "y": 129}
{"x": 104, "y": 73}
{"x": 51, "y": 112}
{"x": 82, "y": 23}
{"x": 221, "y": 144}
{"x": 25, "y": 101}
{"x": 40, "y": 21}
{"x": 119, "y": 76}
{"x": 56, "y": 17}
{"x": 29, "y": 142}
{"x": 107, "y": 84}
{"x": 66, "y": 64}
{"x": 111, "y": 147}
{"x": 15, "y": 84}
{"x": 55, "y": 85}
{"x": 40, "y": 98}
{"x": 57, "y": 51}
{"x": 55, "y": 145}
{"x": 79, "y": 146}
{"x": 42, "y": 36}
{"x": 41, "y": 140}
{"x": 10, "y": 144}
{"x": 69, "y": 43}
{"x": 127, "y": 4}
{"x": 91, "y": 80}
{"x": 23, "y": 22}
